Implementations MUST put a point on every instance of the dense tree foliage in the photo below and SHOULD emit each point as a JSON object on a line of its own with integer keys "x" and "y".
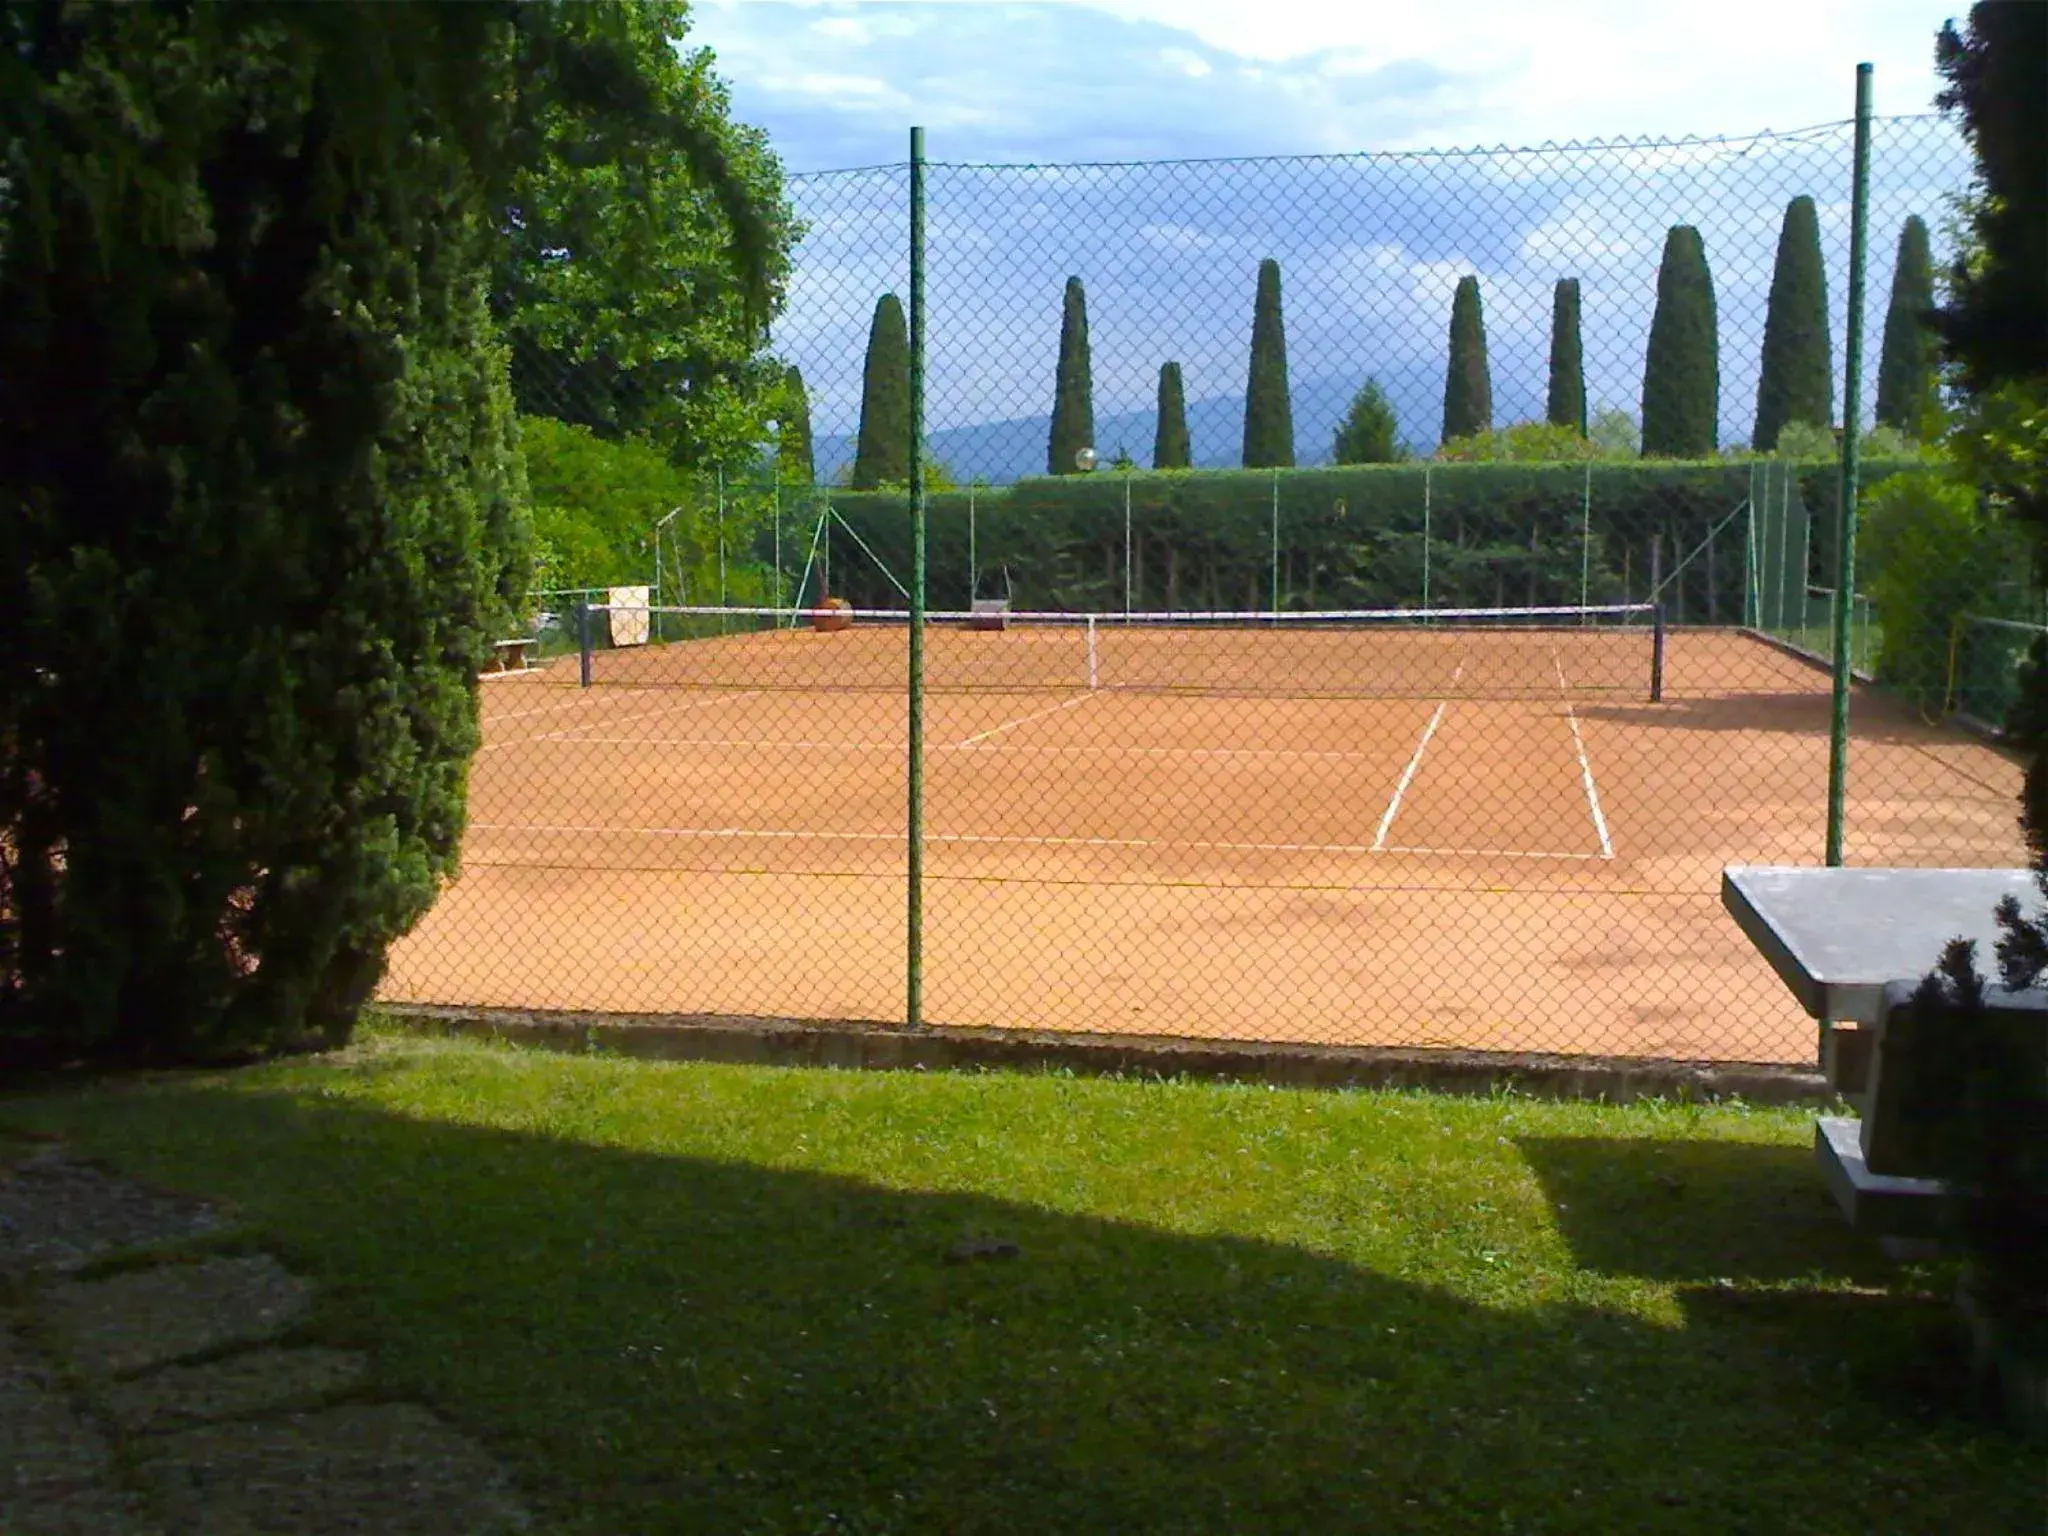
{"x": 881, "y": 454}
{"x": 1907, "y": 395}
{"x": 1468, "y": 386}
{"x": 1797, "y": 379}
{"x": 1170, "y": 445}
{"x": 1268, "y": 408}
{"x": 1566, "y": 404}
{"x": 1369, "y": 432}
{"x": 261, "y": 507}
{"x": 1073, "y": 399}
{"x": 795, "y": 455}
{"x": 611, "y": 278}
{"x": 1682, "y": 367}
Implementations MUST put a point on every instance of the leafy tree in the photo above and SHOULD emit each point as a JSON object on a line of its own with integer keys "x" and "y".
{"x": 795, "y": 458}
{"x": 1468, "y": 388}
{"x": 1995, "y": 334}
{"x": 1906, "y": 393}
{"x": 882, "y": 450}
{"x": 1614, "y": 434}
{"x": 1268, "y": 411}
{"x": 1369, "y": 432}
{"x": 1566, "y": 406}
{"x": 610, "y": 276}
{"x": 260, "y": 500}
{"x": 1797, "y": 380}
{"x": 1170, "y": 447}
{"x": 1682, "y": 368}
{"x": 1073, "y": 409}
{"x": 1526, "y": 442}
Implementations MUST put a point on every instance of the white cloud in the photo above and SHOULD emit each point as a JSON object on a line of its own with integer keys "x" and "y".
{"x": 1188, "y": 62}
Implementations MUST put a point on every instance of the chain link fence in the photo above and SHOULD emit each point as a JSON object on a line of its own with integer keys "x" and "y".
{"x": 1372, "y": 598}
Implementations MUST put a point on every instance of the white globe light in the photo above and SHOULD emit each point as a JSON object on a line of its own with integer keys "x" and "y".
{"x": 1084, "y": 459}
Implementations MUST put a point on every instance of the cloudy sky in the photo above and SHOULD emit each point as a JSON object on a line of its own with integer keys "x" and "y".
{"x": 837, "y": 84}
{"x": 1372, "y": 233}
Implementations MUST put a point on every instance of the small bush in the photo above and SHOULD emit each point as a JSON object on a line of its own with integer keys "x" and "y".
{"x": 1932, "y": 554}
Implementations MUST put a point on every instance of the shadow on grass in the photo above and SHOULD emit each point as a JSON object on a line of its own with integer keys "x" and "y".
{"x": 663, "y": 1343}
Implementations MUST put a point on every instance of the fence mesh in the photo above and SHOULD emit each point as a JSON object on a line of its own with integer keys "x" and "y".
{"x": 1484, "y": 624}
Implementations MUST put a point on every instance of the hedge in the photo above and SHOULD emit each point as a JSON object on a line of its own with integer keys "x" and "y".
{"x": 1349, "y": 536}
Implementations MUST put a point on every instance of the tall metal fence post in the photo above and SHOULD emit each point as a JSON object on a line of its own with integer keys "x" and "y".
{"x": 1276, "y": 542}
{"x": 913, "y": 989}
{"x": 1845, "y": 510}
{"x": 583, "y": 641}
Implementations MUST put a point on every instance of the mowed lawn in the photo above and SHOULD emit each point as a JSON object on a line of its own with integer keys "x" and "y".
{"x": 684, "y": 1298}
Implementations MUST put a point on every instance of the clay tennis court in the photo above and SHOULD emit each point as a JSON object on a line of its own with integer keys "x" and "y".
{"x": 1478, "y": 839}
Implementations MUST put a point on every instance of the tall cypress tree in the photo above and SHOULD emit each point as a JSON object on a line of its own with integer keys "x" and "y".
{"x": 795, "y": 461}
{"x": 1797, "y": 380}
{"x": 1268, "y": 413}
{"x": 1682, "y": 368}
{"x": 1170, "y": 447}
{"x": 1468, "y": 387}
{"x": 882, "y": 453}
{"x": 1073, "y": 403}
{"x": 1567, "y": 404}
{"x": 1906, "y": 399}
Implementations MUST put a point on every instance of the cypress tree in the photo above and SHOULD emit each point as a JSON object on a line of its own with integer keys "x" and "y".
{"x": 795, "y": 462}
{"x": 1073, "y": 405}
{"x": 1369, "y": 432}
{"x": 1797, "y": 380}
{"x": 1567, "y": 405}
{"x": 882, "y": 452}
{"x": 1468, "y": 389}
{"x": 1170, "y": 447}
{"x": 1268, "y": 413}
{"x": 1906, "y": 398}
{"x": 1682, "y": 368}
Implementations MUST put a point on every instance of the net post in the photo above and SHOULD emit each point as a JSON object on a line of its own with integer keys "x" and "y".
{"x": 1845, "y": 507}
{"x": 1092, "y": 676}
{"x": 1656, "y": 618}
{"x": 583, "y": 641}
{"x": 913, "y": 987}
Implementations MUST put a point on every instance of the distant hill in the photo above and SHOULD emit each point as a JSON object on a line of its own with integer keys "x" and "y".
{"x": 1004, "y": 451}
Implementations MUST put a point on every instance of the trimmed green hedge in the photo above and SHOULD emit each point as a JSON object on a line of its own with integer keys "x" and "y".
{"x": 1349, "y": 536}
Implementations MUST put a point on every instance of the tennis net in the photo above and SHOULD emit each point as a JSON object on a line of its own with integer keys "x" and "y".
{"x": 1367, "y": 653}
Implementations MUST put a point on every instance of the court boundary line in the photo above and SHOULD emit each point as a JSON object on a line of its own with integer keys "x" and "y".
{"x": 1585, "y": 764}
{"x": 1379, "y": 842}
{"x": 1036, "y": 714}
{"x": 1007, "y": 839}
{"x": 808, "y": 745}
{"x": 567, "y": 733}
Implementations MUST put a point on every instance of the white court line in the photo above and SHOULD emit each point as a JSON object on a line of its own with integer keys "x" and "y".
{"x": 1036, "y": 714}
{"x": 1379, "y": 842}
{"x": 554, "y": 709}
{"x": 998, "y": 839}
{"x": 566, "y": 733}
{"x": 1585, "y": 766}
{"x": 757, "y": 745}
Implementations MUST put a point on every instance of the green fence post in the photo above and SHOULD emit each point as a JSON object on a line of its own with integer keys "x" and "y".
{"x": 1845, "y": 511}
{"x": 913, "y": 990}
{"x": 1276, "y": 543}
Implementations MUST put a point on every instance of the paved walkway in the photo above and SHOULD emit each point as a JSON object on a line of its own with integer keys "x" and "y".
{"x": 171, "y": 1392}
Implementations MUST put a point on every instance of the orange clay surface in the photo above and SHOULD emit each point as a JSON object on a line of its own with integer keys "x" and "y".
{"x": 1483, "y": 840}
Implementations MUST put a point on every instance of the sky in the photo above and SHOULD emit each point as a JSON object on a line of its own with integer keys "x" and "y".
{"x": 1316, "y": 134}
{"x": 837, "y": 85}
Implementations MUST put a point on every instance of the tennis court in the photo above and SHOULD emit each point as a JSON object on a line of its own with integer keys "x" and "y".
{"x": 1480, "y": 835}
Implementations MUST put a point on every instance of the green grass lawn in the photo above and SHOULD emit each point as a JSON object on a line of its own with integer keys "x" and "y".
{"x": 701, "y": 1298}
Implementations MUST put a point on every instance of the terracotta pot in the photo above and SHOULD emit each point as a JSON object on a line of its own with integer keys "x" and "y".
{"x": 839, "y": 616}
